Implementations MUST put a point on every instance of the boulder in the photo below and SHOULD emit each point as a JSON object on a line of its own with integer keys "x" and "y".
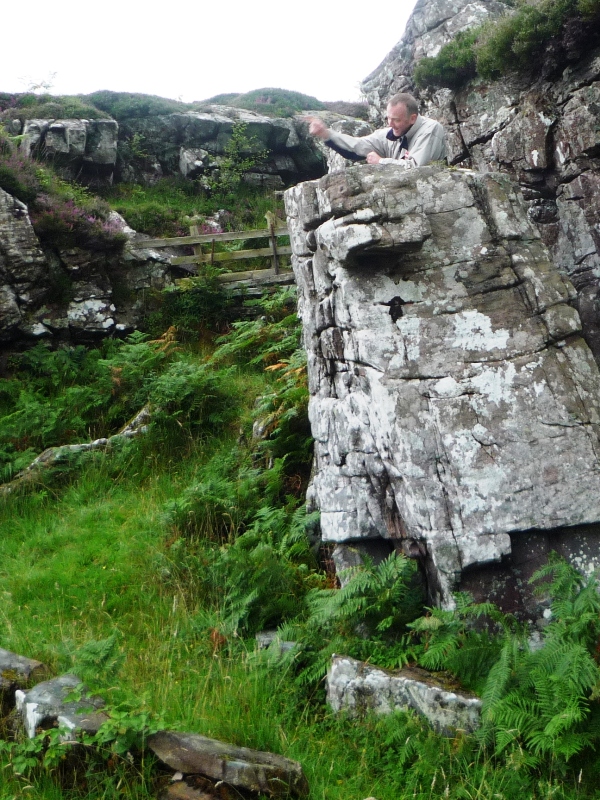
{"x": 253, "y": 770}
{"x": 454, "y": 403}
{"x": 357, "y": 688}
{"x": 47, "y": 705}
{"x": 193, "y": 143}
{"x": 16, "y": 672}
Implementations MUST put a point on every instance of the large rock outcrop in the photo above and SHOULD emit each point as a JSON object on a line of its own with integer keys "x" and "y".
{"x": 191, "y": 144}
{"x": 540, "y": 128}
{"x": 454, "y": 403}
{"x": 83, "y": 149}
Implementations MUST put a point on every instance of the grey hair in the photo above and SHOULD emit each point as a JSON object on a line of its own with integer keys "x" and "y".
{"x": 407, "y": 100}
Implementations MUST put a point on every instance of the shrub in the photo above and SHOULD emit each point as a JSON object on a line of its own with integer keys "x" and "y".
{"x": 452, "y": 67}
{"x": 33, "y": 106}
{"x": 511, "y": 43}
{"x": 63, "y": 215}
{"x": 63, "y": 224}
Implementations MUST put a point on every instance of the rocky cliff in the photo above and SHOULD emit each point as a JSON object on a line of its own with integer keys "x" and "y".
{"x": 540, "y": 128}
{"x": 454, "y": 403}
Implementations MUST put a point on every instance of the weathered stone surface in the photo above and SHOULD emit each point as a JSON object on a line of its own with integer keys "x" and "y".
{"x": 23, "y": 266}
{"x": 249, "y": 769}
{"x": 454, "y": 403}
{"x": 356, "y": 687}
{"x": 45, "y": 703}
{"x": 16, "y": 670}
{"x": 85, "y": 148}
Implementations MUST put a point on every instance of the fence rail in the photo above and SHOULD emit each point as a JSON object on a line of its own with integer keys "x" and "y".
{"x": 197, "y": 239}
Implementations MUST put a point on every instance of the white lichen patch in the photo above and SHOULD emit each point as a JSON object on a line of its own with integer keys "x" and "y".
{"x": 496, "y": 383}
{"x": 446, "y": 387}
{"x": 473, "y": 331}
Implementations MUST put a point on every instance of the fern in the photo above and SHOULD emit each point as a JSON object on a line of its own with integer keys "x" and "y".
{"x": 541, "y": 699}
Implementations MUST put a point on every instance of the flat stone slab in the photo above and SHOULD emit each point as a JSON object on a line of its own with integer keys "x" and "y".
{"x": 356, "y": 687}
{"x": 16, "y": 670}
{"x": 257, "y": 771}
{"x": 45, "y": 704}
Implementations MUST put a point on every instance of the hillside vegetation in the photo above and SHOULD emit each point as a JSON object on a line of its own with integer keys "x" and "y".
{"x": 148, "y": 567}
{"x": 513, "y": 43}
{"x": 122, "y": 106}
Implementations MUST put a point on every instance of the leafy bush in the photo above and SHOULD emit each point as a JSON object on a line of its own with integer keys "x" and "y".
{"x": 45, "y": 106}
{"x": 367, "y": 618}
{"x": 62, "y": 224}
{"x": 242, "y": 153}
{"x": 453, "y": 66}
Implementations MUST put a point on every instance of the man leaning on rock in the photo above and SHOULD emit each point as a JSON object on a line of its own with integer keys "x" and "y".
{"x": 410, "y": 140}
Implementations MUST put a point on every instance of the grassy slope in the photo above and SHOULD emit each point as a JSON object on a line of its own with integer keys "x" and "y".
{"x": 90, "y": 557}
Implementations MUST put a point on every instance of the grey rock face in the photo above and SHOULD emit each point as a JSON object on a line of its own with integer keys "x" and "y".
{"x": 356, "y": 687}
{"x": 87, "y": 149}
{"x": 23, "y": 265}
{"x": 254, "y": 770}
{"x": 432, "y": 24}
{"x": 454, "y": 403}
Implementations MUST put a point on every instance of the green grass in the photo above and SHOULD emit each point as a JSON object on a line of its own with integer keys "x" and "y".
{"x": 97, "y": 553}
{"x": 163, "y": 209}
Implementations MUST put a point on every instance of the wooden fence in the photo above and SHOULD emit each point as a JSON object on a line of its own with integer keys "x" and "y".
{"x": 251, "y": 277}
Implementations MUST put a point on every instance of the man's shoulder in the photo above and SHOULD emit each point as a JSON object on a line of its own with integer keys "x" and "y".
{"x": 429, "y": 124}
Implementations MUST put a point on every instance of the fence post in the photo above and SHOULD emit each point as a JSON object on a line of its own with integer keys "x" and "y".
{"x": 270, "y": 217}
{"x": 197, "y": 248}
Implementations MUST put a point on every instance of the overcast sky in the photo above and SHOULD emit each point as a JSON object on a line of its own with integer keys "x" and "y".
{"x": 194, "y": 50}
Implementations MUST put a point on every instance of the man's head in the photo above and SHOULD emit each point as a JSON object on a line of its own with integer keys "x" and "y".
{"x": 402, "y": 112}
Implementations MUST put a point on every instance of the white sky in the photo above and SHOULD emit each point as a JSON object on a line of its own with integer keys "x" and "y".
{"x": 193, "y": 50}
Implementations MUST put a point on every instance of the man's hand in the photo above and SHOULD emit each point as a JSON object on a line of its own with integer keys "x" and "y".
{"x": 373, "y": 158}
{"x": 316, "y": 127}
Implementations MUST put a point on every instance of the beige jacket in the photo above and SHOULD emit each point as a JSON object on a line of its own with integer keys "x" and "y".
{"x": 425, "y": 142}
